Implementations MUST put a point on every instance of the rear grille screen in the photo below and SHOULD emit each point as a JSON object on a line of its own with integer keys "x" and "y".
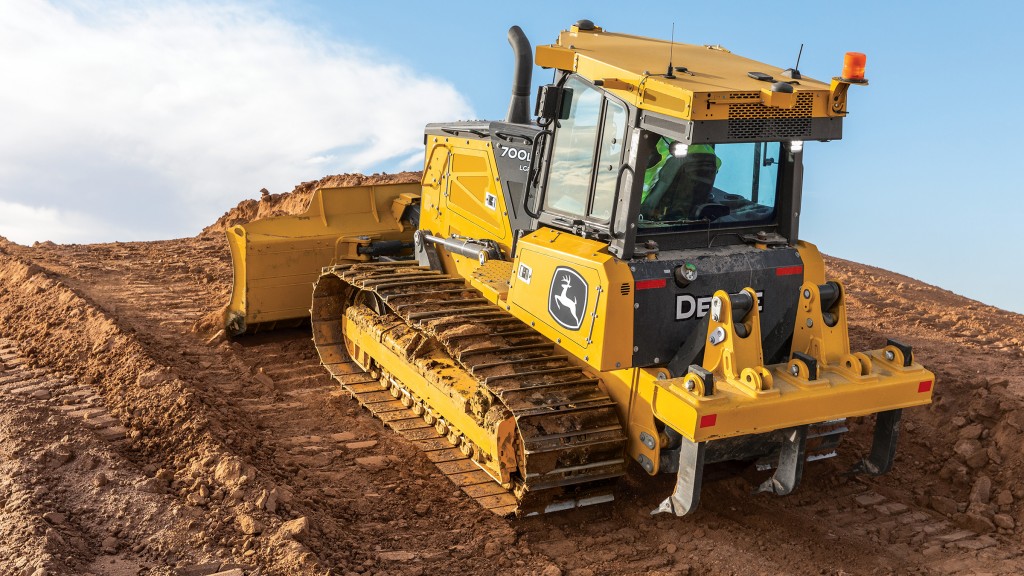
{"x": 753, "y": 120}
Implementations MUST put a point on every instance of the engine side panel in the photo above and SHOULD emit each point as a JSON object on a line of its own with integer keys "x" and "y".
{"x": 572, "y": 290}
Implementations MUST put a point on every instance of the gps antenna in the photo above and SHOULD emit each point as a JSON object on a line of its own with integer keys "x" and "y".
{"x": 672, "y": 43}
{"x": 794, "y": 72}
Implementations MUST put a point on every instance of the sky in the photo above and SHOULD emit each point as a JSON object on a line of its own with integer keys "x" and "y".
{"x": 148, "y": 120}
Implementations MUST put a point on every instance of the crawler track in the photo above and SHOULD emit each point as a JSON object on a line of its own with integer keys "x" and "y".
{"x": 572, "y": 443}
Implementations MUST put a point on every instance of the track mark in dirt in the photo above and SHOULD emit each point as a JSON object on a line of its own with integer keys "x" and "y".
{"x": 70, "y": 503}
{"x": 60, "y": 393}
{"x": 263, "y": 389}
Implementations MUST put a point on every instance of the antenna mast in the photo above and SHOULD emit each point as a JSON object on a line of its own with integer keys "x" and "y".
{"x": 671, "y": 45}
{"x": 794, "y": 72}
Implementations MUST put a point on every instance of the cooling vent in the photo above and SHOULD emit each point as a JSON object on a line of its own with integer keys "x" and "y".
{"x": 625, "y": 289}
{"x": 753, "y": 120}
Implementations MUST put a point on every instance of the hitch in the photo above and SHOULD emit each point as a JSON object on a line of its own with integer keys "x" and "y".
{"x": 821, "y": 338}
{"x": 809, "y": 396}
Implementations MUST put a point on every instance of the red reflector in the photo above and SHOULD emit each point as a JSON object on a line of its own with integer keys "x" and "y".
{"x": 648, "y": 284}
{"x": 789, "y": 270}
{"x": 925, "y": 386}
{"x": 708, "y": 420}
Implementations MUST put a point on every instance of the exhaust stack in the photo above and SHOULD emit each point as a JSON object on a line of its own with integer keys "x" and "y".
{"x": 519, "y": 107}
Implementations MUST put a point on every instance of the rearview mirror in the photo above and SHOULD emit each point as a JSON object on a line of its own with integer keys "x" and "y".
{"x": 552, "y": 103}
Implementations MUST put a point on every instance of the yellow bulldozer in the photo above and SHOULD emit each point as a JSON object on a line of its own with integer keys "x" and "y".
{"x": 617, "y": 277}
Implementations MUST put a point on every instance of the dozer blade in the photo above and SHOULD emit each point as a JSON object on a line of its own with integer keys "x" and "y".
{"x": 276, "y": 260}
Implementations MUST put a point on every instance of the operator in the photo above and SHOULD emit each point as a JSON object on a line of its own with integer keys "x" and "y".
{"x": 675, "y": 185}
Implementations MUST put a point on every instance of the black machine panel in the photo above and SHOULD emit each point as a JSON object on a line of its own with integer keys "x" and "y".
{"x": 513, "y": 153}
{"x": 667, "y": 315}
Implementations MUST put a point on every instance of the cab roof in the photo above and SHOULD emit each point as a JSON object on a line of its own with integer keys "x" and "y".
{"x": 709, "y": 83}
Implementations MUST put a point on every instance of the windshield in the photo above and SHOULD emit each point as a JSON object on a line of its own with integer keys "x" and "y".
{"x": 717, "y": 184}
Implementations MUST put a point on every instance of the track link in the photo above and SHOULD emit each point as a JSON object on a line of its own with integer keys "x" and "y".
{"x": 571, "y": 442}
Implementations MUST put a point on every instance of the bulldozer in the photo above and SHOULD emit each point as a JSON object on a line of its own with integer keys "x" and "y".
{"x": 615, "y": 280}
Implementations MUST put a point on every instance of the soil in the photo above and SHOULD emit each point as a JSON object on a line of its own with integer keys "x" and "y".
{"x": 295, "y": 202}
{"x": 136, "y": 440}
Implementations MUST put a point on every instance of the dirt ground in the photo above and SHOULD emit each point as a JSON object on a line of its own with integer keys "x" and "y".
{"x": 135, "y": 441}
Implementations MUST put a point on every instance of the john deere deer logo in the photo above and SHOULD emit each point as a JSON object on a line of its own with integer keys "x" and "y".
{"x": 567, "y": 298}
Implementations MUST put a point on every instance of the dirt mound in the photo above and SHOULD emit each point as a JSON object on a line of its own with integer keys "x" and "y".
{"x": 170, "y": 434}
{"x": 968, "y": 447}
{"x": 295, "y": 202}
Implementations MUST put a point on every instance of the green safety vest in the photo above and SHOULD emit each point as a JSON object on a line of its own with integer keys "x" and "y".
{"x": 651, "y": 175}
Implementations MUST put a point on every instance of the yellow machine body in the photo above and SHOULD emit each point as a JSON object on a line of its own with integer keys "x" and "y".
{"x": 604, "y": 342}
{"x": 750, "y": 397}
{"x": 507, "y": 319}
{"x": 459, "y": 176}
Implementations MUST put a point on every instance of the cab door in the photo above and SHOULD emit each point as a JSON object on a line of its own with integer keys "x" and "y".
{"x": 586, "y": 159}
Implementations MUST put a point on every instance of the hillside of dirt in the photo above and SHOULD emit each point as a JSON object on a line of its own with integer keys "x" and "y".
{"x": 295, "y": 202}
{"x": 134, "y": 440}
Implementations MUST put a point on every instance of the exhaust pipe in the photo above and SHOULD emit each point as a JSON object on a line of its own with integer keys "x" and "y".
{"x": 519, "y": 107}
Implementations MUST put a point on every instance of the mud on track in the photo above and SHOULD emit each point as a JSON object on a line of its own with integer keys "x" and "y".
{"x": 244, "y": 455}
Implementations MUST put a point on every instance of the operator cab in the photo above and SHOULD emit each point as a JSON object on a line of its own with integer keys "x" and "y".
{"x": 639, "y": 179}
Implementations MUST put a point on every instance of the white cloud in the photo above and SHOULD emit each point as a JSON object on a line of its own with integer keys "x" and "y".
{"x": 23, "y": 224}
{"x": 150, "y": 121}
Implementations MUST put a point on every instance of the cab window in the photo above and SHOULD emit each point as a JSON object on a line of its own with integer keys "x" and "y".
{"x": 586, "y": 154}
{"x": 717, "y": 184}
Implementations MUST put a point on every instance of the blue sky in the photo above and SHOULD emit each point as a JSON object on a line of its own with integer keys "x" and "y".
{"x": 924, "y": 182}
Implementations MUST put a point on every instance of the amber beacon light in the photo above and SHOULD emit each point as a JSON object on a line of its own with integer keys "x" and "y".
{"x": 853, "y": 66}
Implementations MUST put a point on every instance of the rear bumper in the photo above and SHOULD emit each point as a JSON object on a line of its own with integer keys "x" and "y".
{"x": 792, "y": 401}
